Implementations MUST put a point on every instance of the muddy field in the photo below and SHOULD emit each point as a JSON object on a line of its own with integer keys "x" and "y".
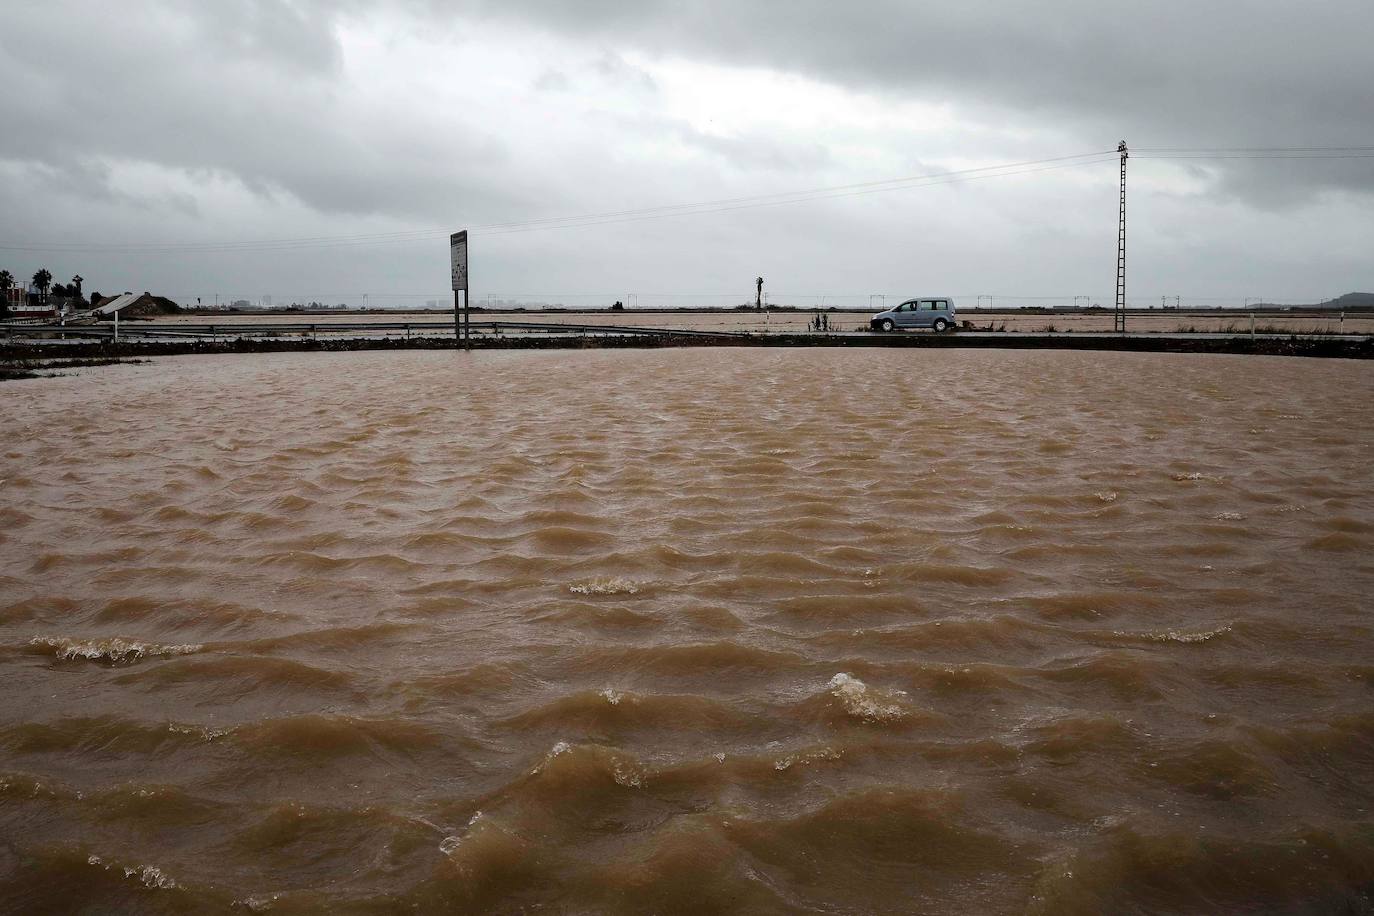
{"x": 795, "y": 322}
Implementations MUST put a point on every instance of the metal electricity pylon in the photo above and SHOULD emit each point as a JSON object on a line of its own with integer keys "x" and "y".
{"x": 1119, "y": 315}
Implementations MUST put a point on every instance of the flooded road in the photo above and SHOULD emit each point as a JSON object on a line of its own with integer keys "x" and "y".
{"x": 766, "y": 631}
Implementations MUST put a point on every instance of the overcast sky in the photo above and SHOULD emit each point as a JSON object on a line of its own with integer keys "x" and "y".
{"x": 186, "y": 123}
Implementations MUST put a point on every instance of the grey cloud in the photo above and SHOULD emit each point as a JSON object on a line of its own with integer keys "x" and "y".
{"x": 1169, "y": 73}
{"x": 244, "y": 91}
{"x": 552, "y": 81}
{"x": 746, "y": 152}
{"x": 259, "y": 95}
{"x": 90, "y": 180}
{"x": 273, "y": 32}
{"x": 616, "y": 69}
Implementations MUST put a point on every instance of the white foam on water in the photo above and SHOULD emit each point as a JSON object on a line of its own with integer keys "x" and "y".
{"x": 149, "y": 875}
{"x": 861, "y": 702}
{"x": 805, "y": 757}
{"x": 200, "y": 731}
{"x": 1107, "y": 497}
{"x": 34, "y": 786}
{"x": 1228, "y": 517}
{"x": 614, "y": 585}
{"x": 259, "y": 904}
{"x": 449, "y": 844}
{"x": 626, "y": 775}
{"x": 1180, "y": 636}
{"x": 117, "y": 650}
{"x": 561, "y": 747}
{"x": 1197, "y": 475}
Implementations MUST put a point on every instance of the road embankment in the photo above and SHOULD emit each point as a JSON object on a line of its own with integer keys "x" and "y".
{"x": 1311, "y": 346}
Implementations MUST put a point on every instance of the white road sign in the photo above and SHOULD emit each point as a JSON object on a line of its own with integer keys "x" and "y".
{"x": 458, "y": 248}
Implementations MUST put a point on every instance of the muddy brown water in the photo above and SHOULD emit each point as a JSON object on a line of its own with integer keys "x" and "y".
{"x": 688, "y": 631}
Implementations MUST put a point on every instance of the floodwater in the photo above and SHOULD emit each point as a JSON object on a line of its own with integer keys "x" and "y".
{"x": 953, "y": 631}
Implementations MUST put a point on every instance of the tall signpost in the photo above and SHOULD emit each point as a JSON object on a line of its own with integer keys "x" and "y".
{"x": 458, "y": 262}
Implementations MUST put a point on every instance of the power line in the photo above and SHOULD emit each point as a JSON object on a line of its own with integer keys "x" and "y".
{"x": 786, "y": 195}
{"x": 1253, "y": 149}
{"x": 713, "y": 206}
{"x": 828, "y": 196}
{"x": 1170, "y": 156}
{"x": 592, "y": 219}
{"x": 896, "y": 184}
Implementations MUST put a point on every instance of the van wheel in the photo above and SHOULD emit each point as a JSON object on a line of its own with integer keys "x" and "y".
{"x": 887, "y": 325}
{"x": 941, "y": 325}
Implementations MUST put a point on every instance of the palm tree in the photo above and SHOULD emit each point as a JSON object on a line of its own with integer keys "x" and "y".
{"x": 76, "y": 285}
{"x": 43, "y": 280}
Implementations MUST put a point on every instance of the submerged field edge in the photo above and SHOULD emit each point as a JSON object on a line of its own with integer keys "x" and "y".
{"x": 1263, "y": 346}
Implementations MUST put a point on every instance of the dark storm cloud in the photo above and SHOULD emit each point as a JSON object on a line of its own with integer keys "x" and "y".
{"x": 1172, "y": 73}
{"x": 293, "y": 118}
{"x": 251, "y": 90}
{"x": 248, "y": 91}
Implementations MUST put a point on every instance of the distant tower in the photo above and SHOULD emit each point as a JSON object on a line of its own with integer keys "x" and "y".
{"x": 1119, "y": 316}
{"x": 758, "y": 293}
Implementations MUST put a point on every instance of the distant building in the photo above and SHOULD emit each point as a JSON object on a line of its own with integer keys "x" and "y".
{"x": 134, "y": 305}
{"x": 29, "y": 303}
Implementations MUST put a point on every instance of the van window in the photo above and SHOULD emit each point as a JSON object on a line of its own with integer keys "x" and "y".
{"x": 928, "y": 305}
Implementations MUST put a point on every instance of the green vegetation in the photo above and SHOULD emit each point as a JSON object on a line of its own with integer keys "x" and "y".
{"x": 43, "y": 280}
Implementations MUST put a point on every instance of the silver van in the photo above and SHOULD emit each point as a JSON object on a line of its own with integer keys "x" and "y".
{"x": 936, "y": 312}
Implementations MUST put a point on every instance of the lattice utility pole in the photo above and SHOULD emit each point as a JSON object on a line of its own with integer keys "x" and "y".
{"x": 1119, "y": 316}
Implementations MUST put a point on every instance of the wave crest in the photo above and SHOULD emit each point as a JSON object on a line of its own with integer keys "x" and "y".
{"x": 114, "y": 651}
{"x": 863, "y": 702}
{"x": 614, "y": 585}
